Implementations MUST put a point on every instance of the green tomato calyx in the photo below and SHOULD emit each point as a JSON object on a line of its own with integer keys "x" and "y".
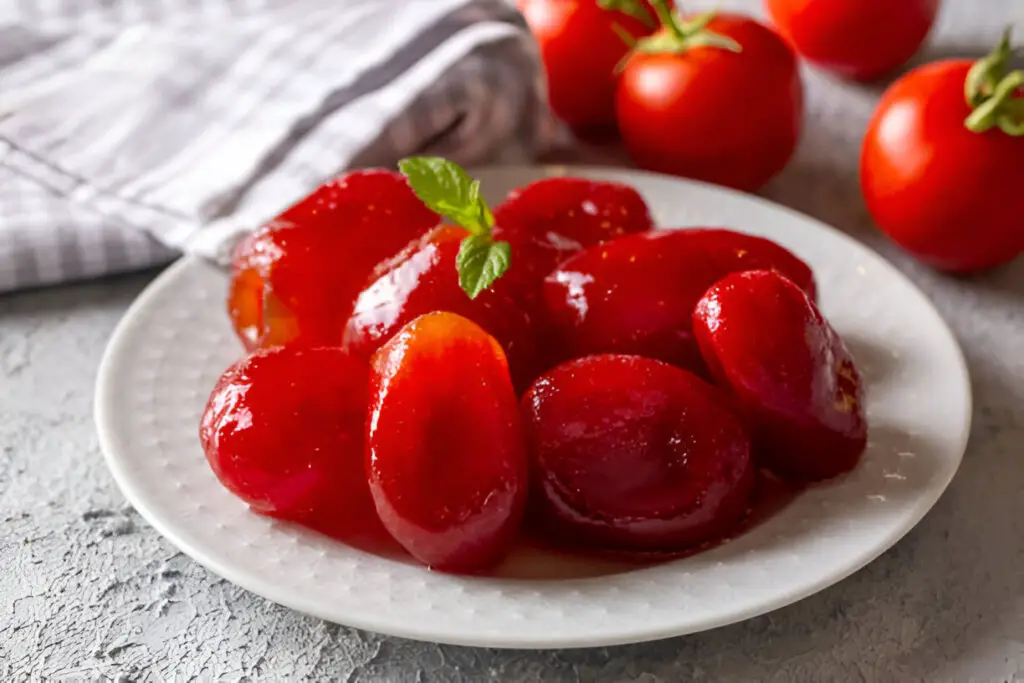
{"x": 633, "y": 8}
{"x": 994, "y": 95}
{"x": 678, "y": 35}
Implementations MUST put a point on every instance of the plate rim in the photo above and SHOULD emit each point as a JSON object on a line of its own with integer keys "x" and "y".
{"x": 249, "y": 581}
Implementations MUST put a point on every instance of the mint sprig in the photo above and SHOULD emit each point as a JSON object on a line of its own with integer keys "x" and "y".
{"x": 447, "y": 189}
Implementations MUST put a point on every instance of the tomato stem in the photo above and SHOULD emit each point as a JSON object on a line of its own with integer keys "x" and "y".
{"x": 666, "y": 17}
{"x": 992, "y": 93}
{"x": 997, "y": 109}
{"x": 623, "y": 34}
{"x": 988, "y": 71}
{"x": 633, "y": 8}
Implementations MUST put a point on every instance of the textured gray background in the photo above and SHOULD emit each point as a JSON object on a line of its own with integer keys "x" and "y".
{"x": 89, "y": 592}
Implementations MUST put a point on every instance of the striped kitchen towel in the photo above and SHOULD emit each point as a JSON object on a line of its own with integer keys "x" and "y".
{"x": 133, "y": 130}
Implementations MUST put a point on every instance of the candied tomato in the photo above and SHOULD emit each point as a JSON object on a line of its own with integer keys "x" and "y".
{"x": 629, "y": 453}
{"x": 790, "y": 372}
{"x": 283, "y": 430}
{"x": 295, "y": 280}
{"x": 445, "y": 455}
{"x": 636, "y": 294}
{"x": 422, "y": 279}
{"x": 549, "y": 220}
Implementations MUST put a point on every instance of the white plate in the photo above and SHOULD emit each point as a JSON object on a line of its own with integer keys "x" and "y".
{"x": 175, "y": 340}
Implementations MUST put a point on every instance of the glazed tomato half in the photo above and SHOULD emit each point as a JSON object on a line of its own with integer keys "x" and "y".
{"x": 942, "y": 166}
{"x": 580, "y": 49}
{"x": 858, "y": 39}
{"x": 717, "y": 97}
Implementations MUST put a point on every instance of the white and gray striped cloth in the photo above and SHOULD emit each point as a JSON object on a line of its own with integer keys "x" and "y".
{"x": 132, "y": 130}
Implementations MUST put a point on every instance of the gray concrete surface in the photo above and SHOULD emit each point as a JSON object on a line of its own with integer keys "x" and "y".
{"x": 89, "y": 592}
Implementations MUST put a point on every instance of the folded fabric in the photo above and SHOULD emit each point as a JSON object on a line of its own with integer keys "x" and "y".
{"x": 131, "y": 131}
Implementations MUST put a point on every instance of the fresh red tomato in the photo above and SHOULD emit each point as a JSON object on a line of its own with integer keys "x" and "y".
{"x": 858, "y": 39}
{"x": 940, "y": 175}
{"x": 581, "y": 49}
{"x": 716, "y": 98}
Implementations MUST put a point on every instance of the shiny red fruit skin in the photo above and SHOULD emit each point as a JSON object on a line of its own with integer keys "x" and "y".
{"x": 283, "y": 430}
{"x": 294, "y": 281}
{"x": 790, "y": 372}
{"x": 580, "y": 50}
{"x": 731, "y": 118}
{"x": 422, "y": 279}
{"x": 629, "y": 453}
{"x": 636, "y": 295}
{"x": 549, "y": 220}
{"x": 445, "y": 455}
{"x": 858, "y": 39}
{"x": 937, "y": 189}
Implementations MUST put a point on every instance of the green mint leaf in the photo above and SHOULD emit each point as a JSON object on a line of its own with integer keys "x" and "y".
{"x": 448, "y": 190}
{"x": 480, "y": 262}
{"x": 485, "y": 211}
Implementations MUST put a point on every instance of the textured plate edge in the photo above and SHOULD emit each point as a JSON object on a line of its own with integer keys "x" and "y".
{"x": 269, "y": 592}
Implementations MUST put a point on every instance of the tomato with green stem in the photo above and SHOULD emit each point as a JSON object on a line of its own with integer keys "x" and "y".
{"x": 716, "y": 97}
{"x": 858, "y": 39}
{"x": 580, "y": 48}
{"x": 943, "y": 162}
